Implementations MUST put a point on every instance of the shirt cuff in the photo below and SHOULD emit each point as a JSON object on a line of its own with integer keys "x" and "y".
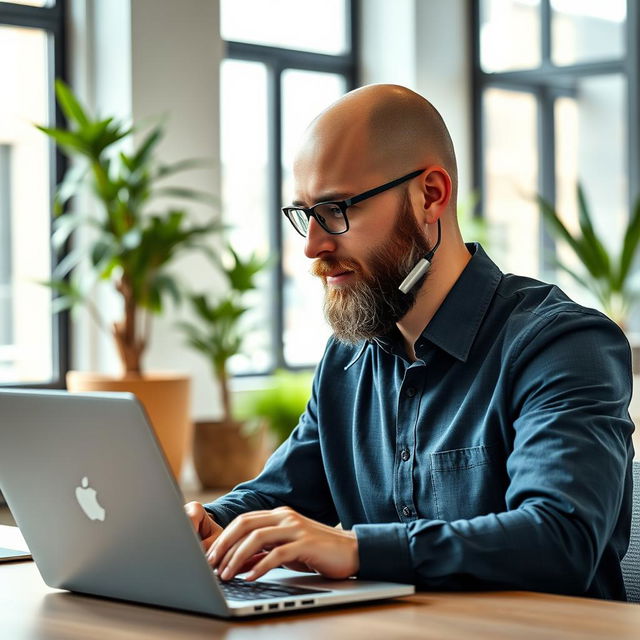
{"x": 383, "y": 550}
{"x": 212, "y": 513}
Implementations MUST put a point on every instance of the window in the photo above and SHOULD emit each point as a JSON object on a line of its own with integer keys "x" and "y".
{"x": 33, "y": 342}
{"x": 555, "y": 102}
{"x": 278, "y": 74}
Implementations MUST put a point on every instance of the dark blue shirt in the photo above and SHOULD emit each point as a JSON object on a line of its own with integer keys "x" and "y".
{"x": 501, "y": 458}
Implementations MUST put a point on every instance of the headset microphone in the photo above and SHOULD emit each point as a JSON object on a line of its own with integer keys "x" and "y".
{"x": 420, "y": 269}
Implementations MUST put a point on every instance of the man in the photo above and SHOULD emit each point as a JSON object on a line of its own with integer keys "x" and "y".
{"x": 468, "y": 431}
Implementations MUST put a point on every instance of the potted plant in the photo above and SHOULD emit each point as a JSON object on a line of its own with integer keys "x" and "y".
{"x": 131, "y": 249}
{"x": 606, "y": 275}
{"x": 280, "y": 404}
{"x": 225, "y": 451}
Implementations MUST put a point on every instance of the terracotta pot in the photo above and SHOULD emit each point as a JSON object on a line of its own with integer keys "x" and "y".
{"x": 224, "y": 456}
{"x": 164, "y": 396}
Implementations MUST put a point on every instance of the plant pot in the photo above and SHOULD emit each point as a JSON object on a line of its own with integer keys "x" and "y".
{"x": 165, "y": 398}
{"x": 224, "y": 456}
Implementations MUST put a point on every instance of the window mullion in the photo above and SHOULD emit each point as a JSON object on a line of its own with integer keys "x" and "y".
{"x": 545, "y": 33}
{"x": 633, "y": 101}
{"x": 274, "y": 100}
{"x": 546, "y": 173}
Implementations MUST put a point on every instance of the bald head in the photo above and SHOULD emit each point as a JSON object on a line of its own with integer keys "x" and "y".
{"x": 393, "y": 130}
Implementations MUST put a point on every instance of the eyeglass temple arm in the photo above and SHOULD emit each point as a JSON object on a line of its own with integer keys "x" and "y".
{"x": 384, "y": 187}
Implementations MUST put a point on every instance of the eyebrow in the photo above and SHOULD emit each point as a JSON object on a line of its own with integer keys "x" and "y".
{"x": 326, "y": 197}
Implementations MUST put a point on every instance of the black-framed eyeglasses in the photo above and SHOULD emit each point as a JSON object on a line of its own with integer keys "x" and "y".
{"x": 332, "y": 215}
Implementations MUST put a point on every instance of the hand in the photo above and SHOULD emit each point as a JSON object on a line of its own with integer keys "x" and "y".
{"x": 268, "y": 539}
{"x": 206, "y": 527}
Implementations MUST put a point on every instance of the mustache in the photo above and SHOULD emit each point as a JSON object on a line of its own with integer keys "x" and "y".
{"x": 323, "y": 267}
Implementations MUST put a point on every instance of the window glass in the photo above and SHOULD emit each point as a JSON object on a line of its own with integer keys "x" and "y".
{"x": 511, "y": 179}
{"x": 26, "y": 353}
{"x": 590, "y": 148}
{"x": 587, "y": 30}
{"x": 306, "y": 26}
{"x": 245, "y": 196}
{"x": 305, "y": 330}
{"x": 33, "y": 3}
{"x": 509, "y": 34}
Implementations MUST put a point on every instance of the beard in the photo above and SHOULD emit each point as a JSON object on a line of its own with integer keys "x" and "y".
{"x": 372, "y": 304}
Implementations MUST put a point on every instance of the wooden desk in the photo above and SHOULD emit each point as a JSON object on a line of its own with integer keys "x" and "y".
{"x": 29, "y": 609}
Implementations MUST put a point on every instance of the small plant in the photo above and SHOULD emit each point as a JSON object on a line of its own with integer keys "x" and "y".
{"x": 281, "y": 403}
{"x": 131, "y": 246}
{"x": 607, "y": 276}
{"x": 218, "y": 335}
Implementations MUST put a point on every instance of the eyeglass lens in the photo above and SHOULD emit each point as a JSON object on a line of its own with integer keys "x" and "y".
{"x": 329, "y": 216}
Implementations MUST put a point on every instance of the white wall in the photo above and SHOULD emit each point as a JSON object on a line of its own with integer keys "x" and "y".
{"x": 424, "y": 45}
{"x": 144, "y": 59}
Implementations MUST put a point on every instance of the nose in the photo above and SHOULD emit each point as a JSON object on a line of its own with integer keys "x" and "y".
{"x": 318, "y": 240}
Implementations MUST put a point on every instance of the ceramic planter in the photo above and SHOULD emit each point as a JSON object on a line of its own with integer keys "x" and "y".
{"x": 224, "y": 456}
{"x": 165, "y": 398}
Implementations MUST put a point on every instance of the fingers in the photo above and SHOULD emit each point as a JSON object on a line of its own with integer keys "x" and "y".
{"x": 284, "y": 554}
{"x": 196, "y": 512}
{"x": 252, "y": 561}
{"x": 254, "y": 542}
{"x": 203, "y": 523}
{"x": 242, "y": 526}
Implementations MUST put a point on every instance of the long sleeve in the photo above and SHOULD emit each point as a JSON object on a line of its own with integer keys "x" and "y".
{"x": 294, "y": 475}
{"x": 567, "y": 473}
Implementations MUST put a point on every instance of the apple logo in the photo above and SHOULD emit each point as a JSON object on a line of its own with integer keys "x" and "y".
{"x": 86, "y": 497}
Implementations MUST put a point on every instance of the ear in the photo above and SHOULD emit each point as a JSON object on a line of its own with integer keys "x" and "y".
{"x": 435, "y": 194}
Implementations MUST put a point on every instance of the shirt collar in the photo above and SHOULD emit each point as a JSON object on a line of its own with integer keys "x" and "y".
{"x": 469, "y": 298}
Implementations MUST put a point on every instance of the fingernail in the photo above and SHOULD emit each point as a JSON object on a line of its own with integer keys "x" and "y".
{"x": 226, "y": 574}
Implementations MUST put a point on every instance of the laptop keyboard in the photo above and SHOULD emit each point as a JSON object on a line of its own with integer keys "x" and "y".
{"x": 238, "y": 589}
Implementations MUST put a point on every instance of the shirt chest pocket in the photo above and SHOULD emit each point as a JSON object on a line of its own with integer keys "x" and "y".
{"x": 467, "y": 482}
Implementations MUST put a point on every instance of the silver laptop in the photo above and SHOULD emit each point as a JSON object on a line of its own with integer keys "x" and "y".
{"x": 91, "y": 491}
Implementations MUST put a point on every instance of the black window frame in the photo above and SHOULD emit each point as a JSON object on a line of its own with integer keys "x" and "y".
{"x": 276, "y": 61}
{"x": 52, "y": 20}
{"x": 546, "y": 83}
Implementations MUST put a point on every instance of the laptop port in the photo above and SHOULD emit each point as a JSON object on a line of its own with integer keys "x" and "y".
{"x": 273, "y": 606}
{"x": 289, "y": 604}
{"x": 307, "y": 602}
{"x": 258, "y": 607}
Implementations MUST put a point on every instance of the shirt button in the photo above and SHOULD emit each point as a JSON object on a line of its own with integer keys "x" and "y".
{"x": 406, "y": 511}
{"x": 411, "y": 391}
{"x": 405, "y": 454}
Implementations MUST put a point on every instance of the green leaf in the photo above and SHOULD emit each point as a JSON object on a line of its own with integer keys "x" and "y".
{"x": 69, "y": 294}
{"x": 580, "y": 248}
{"x": 68, "y": 141}
{"x": 630, "y": 245}
{"x": 186, "y": 194}
{"x": 154, "y": 298}
{"x": 68, "y": 263}
{"x": 63, "y": 226}
{"x": 142, "y": 155}
{"x": 599, "y": 254}
{"x": 70, "y": 105}
{"x": 102, "y": 250}
{"x": 184, "y": 165}
{"x": 70, "y": 185}
{"x": 241, "y": 275}
{"x": 168, "y": 284}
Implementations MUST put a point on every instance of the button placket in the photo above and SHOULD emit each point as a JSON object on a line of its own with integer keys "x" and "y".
{"x": 408, "y": 406}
